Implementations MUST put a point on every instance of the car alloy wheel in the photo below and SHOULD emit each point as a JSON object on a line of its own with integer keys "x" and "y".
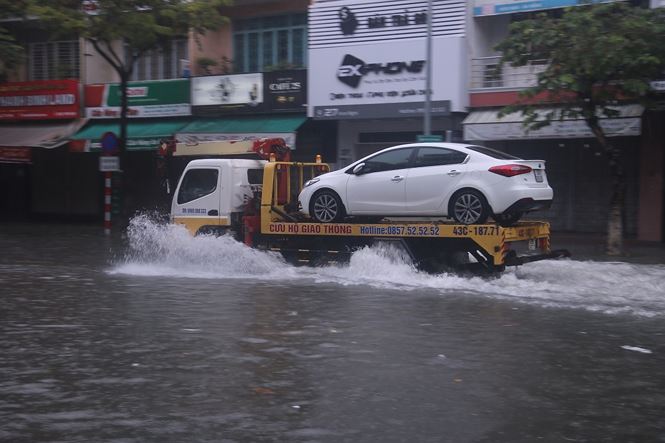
{"x": 469, "y": 207}
{"x": 326, "y": 207}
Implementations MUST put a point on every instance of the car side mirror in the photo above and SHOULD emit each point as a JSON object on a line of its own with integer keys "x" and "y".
{"x": 358, "y": 169}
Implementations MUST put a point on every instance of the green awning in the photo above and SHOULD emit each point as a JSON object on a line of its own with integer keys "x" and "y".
{"x": 141, "y": 134}
{"x": 241, "y": 128}
{"x": 254, "y": 124}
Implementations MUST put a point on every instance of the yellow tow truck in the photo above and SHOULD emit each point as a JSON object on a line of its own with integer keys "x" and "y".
{"x": 256, "y": 201}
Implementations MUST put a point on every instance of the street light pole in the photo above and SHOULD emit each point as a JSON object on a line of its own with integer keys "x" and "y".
{"x": 428, "y": 73}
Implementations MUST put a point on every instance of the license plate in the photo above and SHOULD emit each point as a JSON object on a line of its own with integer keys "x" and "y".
{"x": 539, "y": 175}
{"x": 532, "y": 244}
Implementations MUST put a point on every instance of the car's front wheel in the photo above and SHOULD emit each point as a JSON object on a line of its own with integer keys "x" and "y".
{"x": 468, "y": 207}
{"x": 326, "y": 207}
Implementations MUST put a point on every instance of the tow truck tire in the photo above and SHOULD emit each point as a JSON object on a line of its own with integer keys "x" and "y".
{"x": 468, "y": 207}
{"x": 326, "y": 207}
{"x": 507, "y": 219}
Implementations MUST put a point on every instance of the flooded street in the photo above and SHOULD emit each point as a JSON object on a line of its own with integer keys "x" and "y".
{"x": 155, "y": 336}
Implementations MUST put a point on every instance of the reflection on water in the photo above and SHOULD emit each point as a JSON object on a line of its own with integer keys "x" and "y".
{"x": 161, "y": 337}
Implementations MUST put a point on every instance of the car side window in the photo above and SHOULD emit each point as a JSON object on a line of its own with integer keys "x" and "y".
{"x": 428, "y": 156}
{"x": 197, "y": 183}
{"x": 397, "y": 159}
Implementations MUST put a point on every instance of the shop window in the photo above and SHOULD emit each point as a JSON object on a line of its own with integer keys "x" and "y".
{"x": 53, "y": 60}
{"x": 162, "y": 63}
{"x": 268, "y": 43}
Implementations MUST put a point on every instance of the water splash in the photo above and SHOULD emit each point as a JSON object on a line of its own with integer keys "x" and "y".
{"x": 609, "y": 287}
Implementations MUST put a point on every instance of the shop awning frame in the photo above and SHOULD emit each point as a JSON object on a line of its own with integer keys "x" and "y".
{"x": 486, "y": 125}
{"x": 241, "y": 128}
{"x": 38, "y": 135}
{"x": 142, "y": 134}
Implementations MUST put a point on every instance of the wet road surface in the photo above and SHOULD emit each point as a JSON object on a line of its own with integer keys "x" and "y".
{"x": 158, "y": 337}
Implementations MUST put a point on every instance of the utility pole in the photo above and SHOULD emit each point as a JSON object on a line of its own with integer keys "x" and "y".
{"x": 428, "y": 73}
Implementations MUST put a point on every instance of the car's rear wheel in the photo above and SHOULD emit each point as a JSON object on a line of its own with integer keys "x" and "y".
{"x": 507, "y": 218}
{"x": 468, "y": 207}
{"x": 326, "y": 207}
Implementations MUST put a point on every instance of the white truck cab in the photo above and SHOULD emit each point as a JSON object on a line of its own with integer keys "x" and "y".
{"x": 212, "y": 193}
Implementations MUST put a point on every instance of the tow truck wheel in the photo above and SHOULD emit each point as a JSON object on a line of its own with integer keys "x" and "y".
{"x": 507, "y": 219}
{"x": 468, "y": 206}
{"x": 326, "y": 207}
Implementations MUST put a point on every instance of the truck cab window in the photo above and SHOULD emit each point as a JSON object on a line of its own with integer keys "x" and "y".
{"x": 197, "y": 183}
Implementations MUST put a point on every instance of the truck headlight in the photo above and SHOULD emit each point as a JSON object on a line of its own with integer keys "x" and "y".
{"x": 310, "y": 182}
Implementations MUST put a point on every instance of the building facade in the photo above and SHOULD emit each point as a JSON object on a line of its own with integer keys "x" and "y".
{"x": 341, "y": 78}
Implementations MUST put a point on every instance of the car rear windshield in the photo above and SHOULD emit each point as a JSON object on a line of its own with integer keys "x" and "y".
{"x": 493, "y": 153}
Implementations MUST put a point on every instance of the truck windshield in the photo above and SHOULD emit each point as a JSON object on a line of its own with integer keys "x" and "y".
{"x": 197, "y": 183}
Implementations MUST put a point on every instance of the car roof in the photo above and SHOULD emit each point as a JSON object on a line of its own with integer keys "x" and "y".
{"x": 448, "y": 145}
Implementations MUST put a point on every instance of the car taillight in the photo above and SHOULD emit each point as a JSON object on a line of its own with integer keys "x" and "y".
{"x": 510, "y": 170}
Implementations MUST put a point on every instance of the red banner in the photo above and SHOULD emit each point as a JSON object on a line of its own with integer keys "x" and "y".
{"x": 39, "y": 100}
{"x": 15, "y": 155}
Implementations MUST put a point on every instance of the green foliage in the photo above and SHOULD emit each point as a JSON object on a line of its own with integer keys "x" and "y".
{"x": 598, "y": 55}
{"x": 142, "y": 25}
{"x": 11, "y": 52}
{"x": 205, "y": 63}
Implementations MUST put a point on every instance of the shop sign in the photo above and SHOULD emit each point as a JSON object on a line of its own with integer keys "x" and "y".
{"x": 658, "y": 85}
{"x": 438, "y": 108}
{"x": 343, "y": 22}
{"x": 386, "y": 80}
{"x": 194, "y": 139}
{"x": 164, "y": 98}
{"x": 132, "y": 144}
{"x": 285, "y": 90}
{"x": 227, "y": 94}
{"x": 39, "y": 100}
{"x": 15, "y": 155}
{"x": 613, "y": 127}
{"x": 495, "y": 7}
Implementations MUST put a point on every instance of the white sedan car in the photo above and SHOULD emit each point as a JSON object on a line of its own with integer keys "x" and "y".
{"x": 465, "y": 182}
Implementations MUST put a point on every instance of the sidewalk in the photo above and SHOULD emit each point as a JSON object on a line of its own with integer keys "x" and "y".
{"x": 592, "y": 247}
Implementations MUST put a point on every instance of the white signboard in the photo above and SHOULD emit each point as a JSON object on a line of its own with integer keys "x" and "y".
{"x": 350, "y": 22}
{"x": 385, "y": 73}
{"x": 613, "y": 127}
{"x": 193, "y": 139}
{"x": 109, "y": 164}
{"x": 237, "y": 89}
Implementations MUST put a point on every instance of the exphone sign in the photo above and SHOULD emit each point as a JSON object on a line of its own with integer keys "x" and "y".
{"x": 367, "y": 80}
{"x": 352, "y": 70}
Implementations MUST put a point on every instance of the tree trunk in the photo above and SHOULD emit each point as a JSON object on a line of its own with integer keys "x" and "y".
{"x": 614, "y": 245}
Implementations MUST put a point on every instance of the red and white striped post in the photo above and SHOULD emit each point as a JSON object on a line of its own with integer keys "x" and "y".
{"x": 109, "y": 144}
{"x": 107, "y": 202}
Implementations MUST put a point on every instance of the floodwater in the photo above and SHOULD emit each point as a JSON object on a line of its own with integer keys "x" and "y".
{"x": 154, "y": 336}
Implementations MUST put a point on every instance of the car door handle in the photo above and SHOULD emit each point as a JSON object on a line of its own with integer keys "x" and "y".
{"x": 397, "y": 178}
{"x": 453, "y": 173}
{"x": 214, "y": 212}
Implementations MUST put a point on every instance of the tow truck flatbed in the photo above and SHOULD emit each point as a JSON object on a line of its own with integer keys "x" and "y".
{"x": 267, "y": 218}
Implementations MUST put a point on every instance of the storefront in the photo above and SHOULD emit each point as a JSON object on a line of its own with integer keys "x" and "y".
{"x": 254, "y": 105}
{"x": 368, "y": 72}
{"x": 157, "y": 110}
{"x": 36, "y": 120}
{"x": 576, "y": 166}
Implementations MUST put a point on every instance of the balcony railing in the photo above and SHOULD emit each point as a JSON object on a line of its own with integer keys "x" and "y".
{"x": 489, "y": 73}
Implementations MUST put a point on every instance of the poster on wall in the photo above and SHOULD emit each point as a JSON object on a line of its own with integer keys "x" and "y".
{"x": 386, "y": 80}
{"x": 220, "y": 94}
{"x": 161, "y": 98}
{"x": 285, "y": 91}
{"x": 39, "y": 100}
